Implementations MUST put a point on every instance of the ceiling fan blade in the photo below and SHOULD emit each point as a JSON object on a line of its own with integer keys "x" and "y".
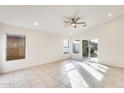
{"x": 68, "y": 18}
{"x": 81, "y": 23}
{"x": 84, "y": 25}
{"x": 76, "y": 19}
{"x": 67, "y": 22}
{"x": 67, "y": 25}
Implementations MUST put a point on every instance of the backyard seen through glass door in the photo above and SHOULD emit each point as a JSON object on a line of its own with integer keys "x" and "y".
{"x": 90, "y": 50}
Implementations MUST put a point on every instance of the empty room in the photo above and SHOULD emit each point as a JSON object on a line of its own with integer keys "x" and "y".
{"x": 62, "y": 46}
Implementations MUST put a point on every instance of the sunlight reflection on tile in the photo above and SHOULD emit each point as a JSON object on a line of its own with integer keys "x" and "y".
{"x": 76, "y": 79}
{"x": 97, "y": 67}
{"x": 94, "y": 73}
{"x": 105, "y": 67}
{"x": 94, "y": 59}
{"x": 69, "y": 66}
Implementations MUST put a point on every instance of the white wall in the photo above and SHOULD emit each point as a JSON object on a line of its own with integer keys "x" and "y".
{"x": 41, "y": 47}
{"x": 111, "y": 42}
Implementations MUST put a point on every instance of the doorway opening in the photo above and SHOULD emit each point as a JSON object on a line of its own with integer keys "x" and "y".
{"x": 90, "y": 50}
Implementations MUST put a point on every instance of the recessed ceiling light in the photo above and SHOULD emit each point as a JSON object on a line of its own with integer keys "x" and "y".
{"x": 109, "y": 14}
{"x": 35, "y": 23}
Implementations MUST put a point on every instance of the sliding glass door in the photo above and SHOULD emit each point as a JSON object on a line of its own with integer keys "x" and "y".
{"x": 90, "y": 50}
{"x": 85, "y": 49}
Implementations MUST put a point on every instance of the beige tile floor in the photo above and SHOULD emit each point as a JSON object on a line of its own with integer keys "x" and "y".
{"x": 65, "y": 74}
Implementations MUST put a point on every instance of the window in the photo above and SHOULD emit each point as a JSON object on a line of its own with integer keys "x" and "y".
{"x": 76, "y": 46}
{"x": 66, "y": 46}
{"x": 15, "y": 47}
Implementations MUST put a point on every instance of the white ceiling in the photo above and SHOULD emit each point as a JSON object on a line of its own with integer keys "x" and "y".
{"x": 50, "y": 18}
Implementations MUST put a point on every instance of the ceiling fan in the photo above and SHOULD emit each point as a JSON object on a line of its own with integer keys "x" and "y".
{"x": 74, "y": 21}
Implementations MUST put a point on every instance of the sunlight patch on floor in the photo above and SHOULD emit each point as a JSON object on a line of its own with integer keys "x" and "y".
{"x": 93, "y": 72}
{"x": 97, "y": 67}
{"x": 103, "y": 66}
{"x": 69, "y": 66}
{"x": 76, "y": 80}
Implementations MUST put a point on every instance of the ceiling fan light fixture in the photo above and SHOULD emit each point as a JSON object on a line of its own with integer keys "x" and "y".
{"x": 75, "y": 21}
{"x": 73, "y": 24}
